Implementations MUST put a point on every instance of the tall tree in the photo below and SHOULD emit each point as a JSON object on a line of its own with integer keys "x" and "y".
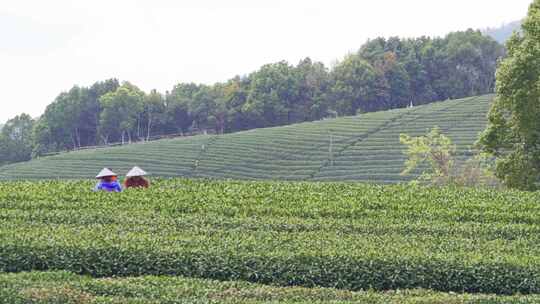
{"x": 154, "y": 114}
{"x": 354, "y": 81}
{"x": 200, "y": 107}
{"x": 91, "y": 109}
{"x": 219, "y": 111}
{"x": 235, "y": 94}
{"x": 120, "y": 119}
{"x": 16, "y": 139}
{"x": 513, "y": 132}
{"x": 177, "y": 107}
{"x": 272, "y": 95}
{"x": 313, "y": 85}
{"x": 395, "y": 80}
{"x": 472, "y": 60}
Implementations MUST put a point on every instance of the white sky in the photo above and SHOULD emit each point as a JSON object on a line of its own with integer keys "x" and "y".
{"x": 46, "y": 47}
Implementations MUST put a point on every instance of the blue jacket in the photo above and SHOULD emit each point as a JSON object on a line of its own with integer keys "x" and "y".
{"x": 109, "y": 187}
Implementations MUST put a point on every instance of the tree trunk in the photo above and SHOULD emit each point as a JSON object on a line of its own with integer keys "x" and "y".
{"x": 73, "y": 141}
{"x": 138, "y": 128}
{"x": 78, "y": 137}
{"x": 222, "y": 124}
{"x": 148, "y": 127}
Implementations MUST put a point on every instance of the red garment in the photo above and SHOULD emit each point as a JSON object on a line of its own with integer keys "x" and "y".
{"x": 136, "y": 182}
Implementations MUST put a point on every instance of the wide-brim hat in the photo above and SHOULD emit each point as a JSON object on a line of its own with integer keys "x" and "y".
{"x": 136, "y": 171}
{"x": 105, "y": 172}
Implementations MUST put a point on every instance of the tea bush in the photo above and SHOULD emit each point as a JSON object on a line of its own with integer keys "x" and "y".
{"x": 63, "y": 287}
{"x": 338, "y": 235}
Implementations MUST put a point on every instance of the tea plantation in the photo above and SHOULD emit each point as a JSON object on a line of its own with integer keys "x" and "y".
{"x": 64, "y": 287}
{"x": 259, "y": 242}
{"x": 359, "y": 148}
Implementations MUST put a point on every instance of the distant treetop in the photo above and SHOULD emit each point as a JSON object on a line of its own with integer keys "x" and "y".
{"x": 503, "y": 33}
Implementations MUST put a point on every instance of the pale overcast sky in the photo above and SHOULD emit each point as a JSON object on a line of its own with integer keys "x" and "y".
{"x": 48, "y": 46}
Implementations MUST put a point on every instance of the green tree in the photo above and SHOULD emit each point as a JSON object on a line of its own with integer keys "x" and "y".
{"x": 90, "y": 110}
{"x": 395, "y": 86}
{"x": 235, "y": 94}
{"x": 353, "y": 83}
{"x": 313, "y": 84}
{"x": 154, "y": 114}
{"x": 200, "y": 107}
{"x": 434, "y": 152}
{"x": 513, "y": 132}
{"x": 219, "y": 112}
{"x": 120, "y": 118}
{"x": 16, "y": 139}
{"x": 272, "y": 95}
{"x": 472, "y": 61}
{"x": 178, "y": 102}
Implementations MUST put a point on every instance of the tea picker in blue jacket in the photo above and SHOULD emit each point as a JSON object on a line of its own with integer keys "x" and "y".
{"x": 108, "y": 181}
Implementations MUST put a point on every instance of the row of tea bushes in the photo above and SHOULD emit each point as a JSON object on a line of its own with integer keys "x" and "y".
{"x": 64, "y": 287}
{"x": 338, "y": 235}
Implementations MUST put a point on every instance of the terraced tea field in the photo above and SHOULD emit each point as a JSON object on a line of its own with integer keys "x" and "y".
{"x": 188, "y": 241}
{"x": 360, "y": 148}
{"x": 64, "y": 287}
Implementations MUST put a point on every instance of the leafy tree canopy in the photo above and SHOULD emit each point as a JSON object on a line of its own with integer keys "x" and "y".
{"x": 513, "y": 132}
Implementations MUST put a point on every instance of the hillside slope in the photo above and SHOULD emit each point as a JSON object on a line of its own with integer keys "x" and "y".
{"x": 361, "y": 148}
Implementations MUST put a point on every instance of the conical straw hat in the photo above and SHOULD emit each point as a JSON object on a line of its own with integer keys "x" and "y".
{"x": 136, "y": 171}
{"x": 105, "y": 172}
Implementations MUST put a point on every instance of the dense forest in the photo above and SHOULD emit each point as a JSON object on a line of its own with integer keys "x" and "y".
{"x": 382, "y": 74}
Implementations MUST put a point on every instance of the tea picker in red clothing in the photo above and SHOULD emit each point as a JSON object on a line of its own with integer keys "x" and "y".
{"x": 135, "y": 179}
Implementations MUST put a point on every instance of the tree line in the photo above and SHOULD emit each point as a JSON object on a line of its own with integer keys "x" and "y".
{"x": 383, "y": 74}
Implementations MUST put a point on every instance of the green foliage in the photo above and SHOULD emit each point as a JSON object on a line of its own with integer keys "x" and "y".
{"x": 16, "y": 139}
{"x": 361, "y": 148}
{"x": 154, "y": 113}
{"x": 512, "y": 135}
{"x": 423, "y": 70}
{"x": 339, "y": 235}
{"x": 273, "y": 89}
{"x": 72, "y": 120}
{"x": 435, "y": 149}
{"x": 121, "y": 114}
{"x": 435, "y": 156}
{"x": 383, "y": 74}
{"x": 354, "y": 79}
{"x": 178, "y": 101}
{"x": 63, "y": 287}
{"x": 477, "y": 171}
